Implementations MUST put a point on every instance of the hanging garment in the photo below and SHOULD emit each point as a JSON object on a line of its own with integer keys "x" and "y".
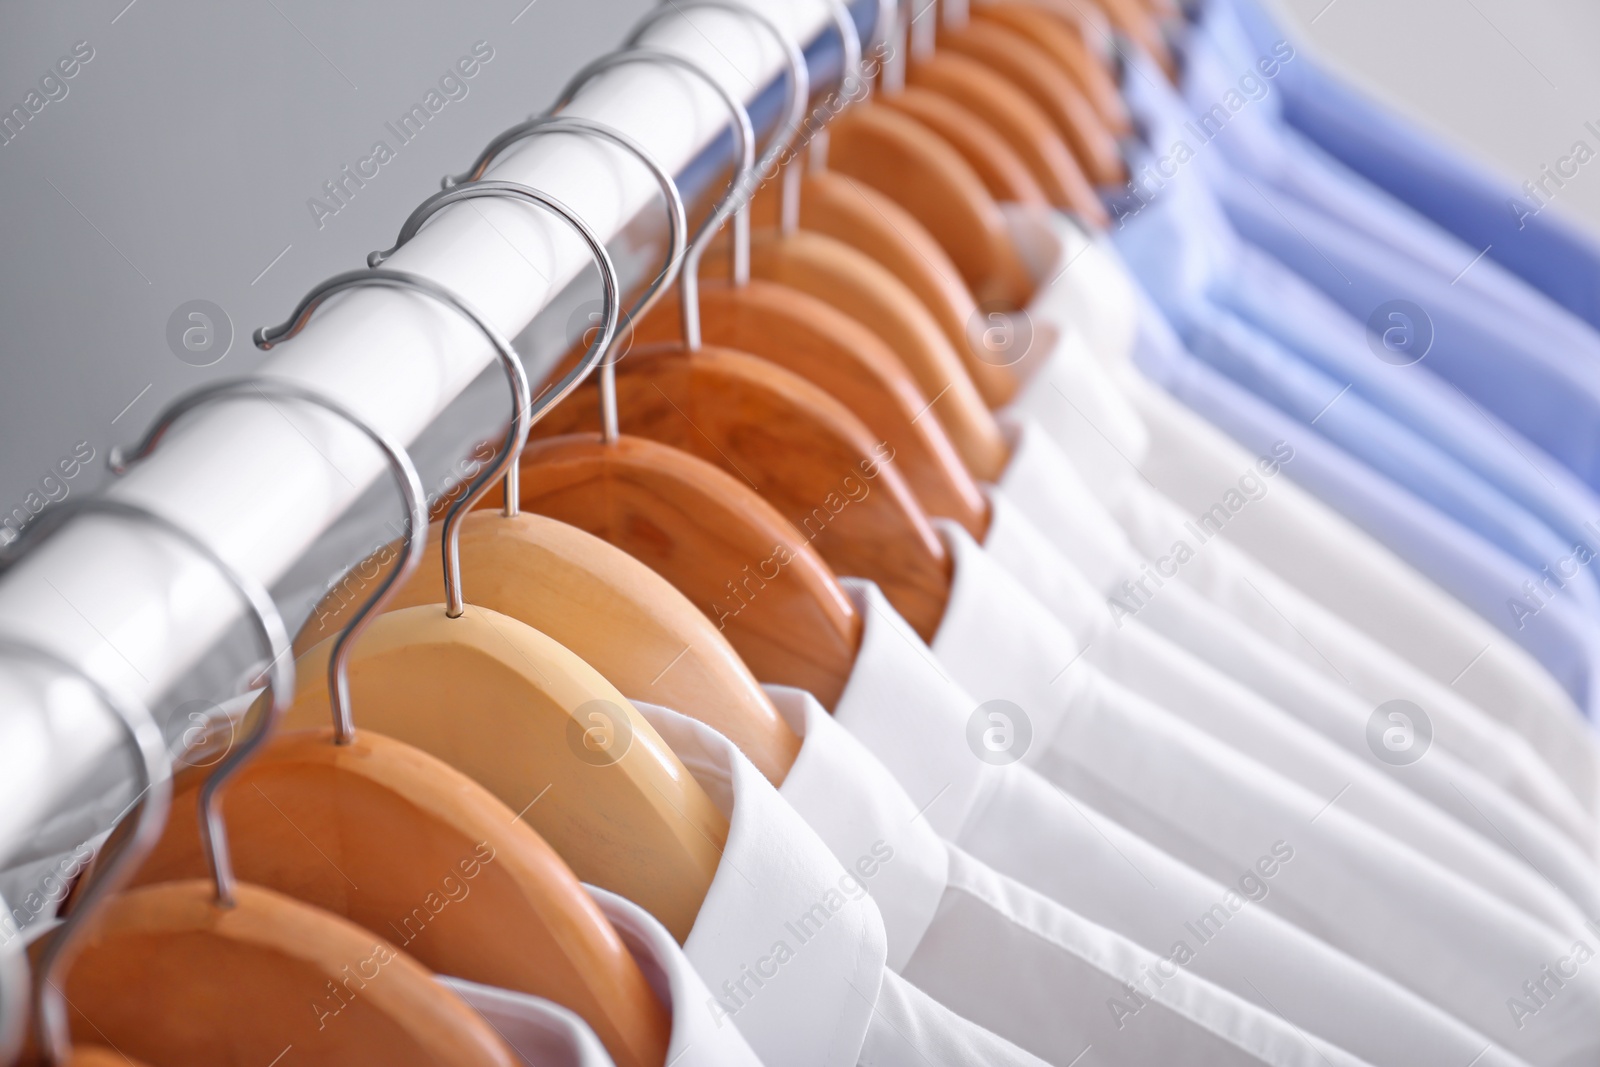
{"x": 1117, "y": 426}
{"x": 902, "y": 705}
{"x": 984, "y": 946}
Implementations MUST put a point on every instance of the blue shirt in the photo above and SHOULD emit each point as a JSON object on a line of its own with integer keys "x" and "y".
{"x": 1434, "y": 179}
{"x": 1185, "y": 252}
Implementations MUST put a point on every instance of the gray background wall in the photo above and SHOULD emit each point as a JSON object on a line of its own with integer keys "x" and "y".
{"x": 178, "y": 164}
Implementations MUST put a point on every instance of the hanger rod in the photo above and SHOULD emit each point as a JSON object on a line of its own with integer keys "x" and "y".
{"x": 261, "y": 480}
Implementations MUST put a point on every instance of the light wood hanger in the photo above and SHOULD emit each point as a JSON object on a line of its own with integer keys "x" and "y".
{"x": 838, "y": 206}
{"x": 709, "y": 535}
{"x": 802, "y": 451}
{"x": 756, "y": 577}
{"x": 1003, "y": 172}
{"x": 516, "y": 711}
{"x": 823, "y": 345}
{"x": 1013, "y": 115}
{"x": 859, "y": 286}
{"x": 157, "y": 969}
{"x": 1031, "y": 68}
{"x": 893, "y": 153}
{"x": 1063, "y": 38}
{"x": 849, "y": 362}
{"x": 592, "y": 598}
{"x": 366, "y": 830}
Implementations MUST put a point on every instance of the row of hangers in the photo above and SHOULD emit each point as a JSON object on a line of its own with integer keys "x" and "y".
{"x": 619, "y": 561}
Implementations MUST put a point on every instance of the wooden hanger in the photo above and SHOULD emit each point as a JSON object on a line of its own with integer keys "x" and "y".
{"x": 707, "y": 535}
{"x": 1134, "y": 18}
{"x": 551, "y": 577}
{"x": 1003, "y": 172}
{"x": 1032, "y": 69}
{"x": 1063, "y": 39}
{"x": 825, "y": 346}
{"x": 850, "y": 363}
{"x": 900, "y": 157}
{"x": 857, "y": 285}
{"x": 173, "y": 979}
{"x": 1013, "y": 115}
{"x": 757, "y": 578}
{"x": 158, "y": 971}
{"x": 512, "y": 708}
{"x": 801, "y": 450}
{"x": 367, "y": 828}
{"x": 844, "y": 209}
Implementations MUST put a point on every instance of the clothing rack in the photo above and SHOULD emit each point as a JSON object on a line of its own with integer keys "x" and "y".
{"x": 260, "y": 482}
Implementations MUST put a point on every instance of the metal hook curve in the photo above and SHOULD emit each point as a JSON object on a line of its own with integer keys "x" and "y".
{"x": 744, "y": 135}
{"x": 405, "y": 475}
{"x": 677, "y": 226}
{"x": 154, "y": 800}
{"x": 267, "y": 338}
{"x": 280, "y": 668}
{"x": 797, "y": 97}
{"x": 594, "y": 355}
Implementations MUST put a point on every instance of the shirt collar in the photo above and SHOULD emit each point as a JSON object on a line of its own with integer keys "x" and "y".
{"x": 697, "y": 1040}
{"x": 789, "y": 944}
{"x": 904, "y": 706}
{"x": 1042, "y": 483}
{"x": 1016, "y": 544}
{"x": 1007, "y": 649}
{"x": 868, "y": 822}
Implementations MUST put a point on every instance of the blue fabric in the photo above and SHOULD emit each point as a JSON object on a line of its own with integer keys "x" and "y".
{"x": 1244, "y": 316}
{"x": 1434, "y": 179}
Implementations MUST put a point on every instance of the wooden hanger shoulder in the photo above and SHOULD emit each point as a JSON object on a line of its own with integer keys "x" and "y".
{"x": 400, "y": 843}
{"x": 850, "y": 363}
{"x": 1013, "y": 115}
{"x": 758, "y": 580}
{"x": 838, "y": 206}
{"x": 1004, "y": 173}
{"x": 866, "y": 291}
{"x": 888, "y": 151}
{"x": 803, "y": 452}
{"x": 613, "y": 612}
{"x": 1063, "y": 40}
{"x": 531, "y": 722}
{"x": 171, "y": 978}
{"x": 1032, "y": 69}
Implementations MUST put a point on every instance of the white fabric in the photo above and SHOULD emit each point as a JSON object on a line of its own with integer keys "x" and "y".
{"x": 990, "y": 949}
{"x": 789, "y": 943}
{"x": 901, "y": 704}
{"x": 697, "y": 1040}
{"x": 1480, "y": 770}
{"x": 1129, "y": 438}
{"x": 1167, "y": 675}
{"x": 540, "y": 1032}
{"x": 1352, "y": 885}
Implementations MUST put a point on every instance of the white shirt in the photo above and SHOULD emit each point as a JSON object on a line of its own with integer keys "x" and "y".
{"x": 1155, "y": 668}
{"x": 1187, "y": 793}
{"x": 901, "y": 704}
{"x": 999, "y": 953}
{"x": 791, "y": 947}
{"x": 1133, "y": 442}
{"x": 1478, "y": 769}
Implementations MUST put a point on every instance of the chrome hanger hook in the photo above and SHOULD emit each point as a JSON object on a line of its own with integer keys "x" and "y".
{"x": 594, "y": 355}
{"x": 516, "y": 433}
{"x": 405, "y": 475}
{"x": 797, "y": 97}
{"x": 280, "y": 667}
{"x": 677, "y": 227}
{"x": 154, "y": 800}
{"x": 744, "y": 138}
{"x": 849, "y": 67}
